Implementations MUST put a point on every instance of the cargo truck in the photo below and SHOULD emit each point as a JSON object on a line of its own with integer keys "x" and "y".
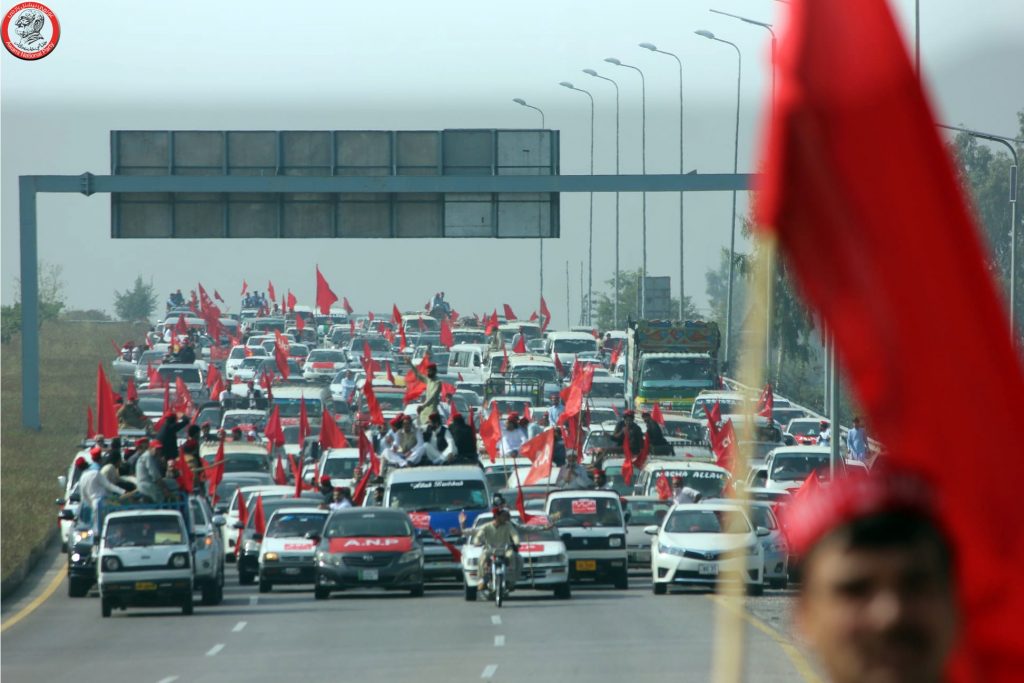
{"x": 669, "y": 362}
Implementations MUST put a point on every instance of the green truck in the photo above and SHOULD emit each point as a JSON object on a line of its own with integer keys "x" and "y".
{"x": 669, "y": 362}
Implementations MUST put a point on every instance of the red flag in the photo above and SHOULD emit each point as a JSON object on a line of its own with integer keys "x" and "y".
{"x": 304, "y": 420}
{"x": 369, "y": 316}
{"x": 181, "y": 327}
{"x": 267, "y": 383}
{"x": 217, "y": 296}
{"x": 131, "y": 393}
{"x": 360, "y": 493}
{"x": 212, "y": 377}
{"x": 533, "y": 316}
{"x": 365, "y": 447}
{"x": 300, "y": 323}
{"x": 325, "y": 296}
{"x": 616, "y": 352}
{"x": 723, "y": 444}
{"x": 713, "y": 413}
{"x": 520, "y": 506}
{"x": 271, "y": 294}
{"x": 331, "y": 435}
{"x": 641, "y": 458}
{"x": 391, "y": 376}
{"x": 766, "y": 404}
{"x": 446, "y": 333}
{"x": 396, "y": 315}
{"x": 245, "y": 287}
{"x": 414, "y": 386}
{"x": 509, "y": 315}
{"x": 627, "y": 462}
{"x": 106, "y": 415}
{"x": 422, "y": 325}
{"x": 291, "y": 300}
{"x": 492, "y": 324}
{"x": 453, "y": 410}
{"x": 182, "y": 397}
{"x": 90, "y": 432}
{"x": 273, "y": 431}
{"x": 545, "y": 313}
{"x": 539, "y": 450}
{"x": 345, "y": 304}
{"x": 503, "y": 370}
{"x": 559, "y": 367}
{"x": 351, "y": 328}
{"x": 372, "y": 405}
{"x": 490, "y": 432}
{"x": 520, "y": 345}
{"x": 280, "y": 478}
{"x": 657, "y": 416}
{"x": 663, "y": 488}
{"x": 401, "y": 335}
{"x": 259, "y": 524}
{"x": 455, "y": 552}
{"x": 527, "y": 413}
{"x": 186, "y": 478}
{"x": 281, "y": 353}
{"x": 217, "y": 472}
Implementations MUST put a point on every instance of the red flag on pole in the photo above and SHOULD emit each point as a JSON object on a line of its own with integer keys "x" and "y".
{"x": 365, "y": 447}
{"x": 273, "y": 431}
{"x": 186, "y": 478}
{"x": 348, "y": 307}
{"x": 360, "y": 492}
{"x": 245, "y": 287}
{"x": 271, "y": 294}
{"x": 766, "y": 404}
{"x": 492, "y": 324}
{"x": 391, "y": 376}
{"x": 657, "y": 416}
{"x": 447, "y": 338}
{"x": 291, "y": 301}
{"x": 300, "y": 323}
{"x": 520, "y": 345}
{"x": 533, "y": 316}
{"x": 503, "y": 370}
{"x": 545, "y": 313}
{"x": 217, "y": 472}
{"x": 396, "y": 315}
{"x": 663, "y": 488}
{"x": 490, "y": 432}
{"x": 509, "y": 315}
{"x": 304, "y": 420}
{"x": 281, "y": 353}
{"x": 373, "y": 405}
{"x": 616, "y": 352}
{"x": 331, "y": 435}
{"x": 217, "y": 296}
{"x": 131, "y": 393}
{"x": 325, "y": 296}
{"x": 539, "y": 450}
{"x": 280, "y": 478}
{"x": 259, "y": 523}
{"x": 106, "y": 415}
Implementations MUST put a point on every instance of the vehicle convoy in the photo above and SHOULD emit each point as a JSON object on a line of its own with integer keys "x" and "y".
{"x": 145, "y": 556}
{"x": 669, "y": 362}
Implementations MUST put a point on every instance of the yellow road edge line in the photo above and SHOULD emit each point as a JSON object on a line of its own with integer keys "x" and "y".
{"x": 36, "y": 602}
{"x": 799, "y": 662}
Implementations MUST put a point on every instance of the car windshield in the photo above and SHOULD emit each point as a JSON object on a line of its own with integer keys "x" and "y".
{"x": 762, "y": 516}
{"x": 439, "y": 495}
{"x": 709, "y": 482}
{"x": 574, "y": 345}
{"x": 254, "y": 362}
{"x": 707, "y": 522}
{"x": 805, "y": 427}
{"x": 232, "y": 420}
{"x": 151, "y": 358}
{"x": 245, "y": 462}
{"x": 470, "y": 337}
{"x": 187, "y": 375}
{"x": 545, "y": 373}
{"x": 797, "y": 467}
{"x": 152, "y": 404}
{"x": 377, "y": 345}
{"x": 536, "y": 534}
{"x": 291, "y": 407}
{"x": 679, "y": 429}
{"x": 298, "y": 350}
{"x": 585, "y": 512}
{"x": 678, "y": 372}
{"x": 647, "y": 512}
{"x": 295, "y": 524}
{"x": 340, "y": 468}
{"x": 291, "y": 435}
{"x": 324, "y": 356}
{"x": 284, "y": 501}
{"x": 389, "y": 401}
{"x": 367, "y": 524}
{"x": 144, "y": 530}
{"x": 726, "y": 406}
{"x": 607, "y": 390}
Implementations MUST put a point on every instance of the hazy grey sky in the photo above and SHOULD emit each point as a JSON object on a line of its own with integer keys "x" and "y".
{"x": 397, "y": 64}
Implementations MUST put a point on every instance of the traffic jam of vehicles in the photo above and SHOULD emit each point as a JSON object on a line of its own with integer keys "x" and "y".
{"x": 318, "y": 449}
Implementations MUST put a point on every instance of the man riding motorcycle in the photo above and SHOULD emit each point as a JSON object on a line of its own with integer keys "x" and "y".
{"x": 497, "y": 534}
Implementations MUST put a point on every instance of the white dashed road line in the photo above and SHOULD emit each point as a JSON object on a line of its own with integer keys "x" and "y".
{"x": 499, "y": 641}
{"x": 489, "y": 671}
{"x": 496, "y": 619}
{"x": 239, "y": 626}
{"x": 215, "y": 649}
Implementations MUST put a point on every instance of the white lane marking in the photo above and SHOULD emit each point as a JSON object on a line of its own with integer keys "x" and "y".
{"x": 496, "y": 619}
{"x": 239, "y": 626}
{"x": 215, "y": 649}
{"x": 253, "y": 599}
{"x": 169, "y": 679}
{"x": 499, "y": 641}
{"x": 489, "y": 671}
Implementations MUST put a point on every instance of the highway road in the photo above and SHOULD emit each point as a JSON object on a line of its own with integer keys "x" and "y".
{"x": 599, "y": 635}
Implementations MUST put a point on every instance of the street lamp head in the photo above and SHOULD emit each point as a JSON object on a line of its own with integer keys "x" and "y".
{"x": 612, "y": 60}
{"x": 705, "y": 34}
{"x": 649, "y": 46}
{"x": 567, "y": 84}
{"x": 590, "y": 72}
{"x": 519, "y": 100}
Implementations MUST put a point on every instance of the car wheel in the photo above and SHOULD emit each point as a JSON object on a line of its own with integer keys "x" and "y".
{"x": 622, "y": 581}
{"x": 659, "y": 588}
{"x": 105, "y": 607}
{"x": 321, "y": 593}
{"x": 213, "y": 592}
{"x": 246, "y": 578}
{"x": 470, "y": 593}
{"x": 417, "y": 592}
{"x": 265, "y": 585}
{"x": 78, "y": 588}
{"x": 779, "y": 584}
{"x": 563, "y": 591}
{"x": 186, "y": 607}
{"x": 755, "y": 589}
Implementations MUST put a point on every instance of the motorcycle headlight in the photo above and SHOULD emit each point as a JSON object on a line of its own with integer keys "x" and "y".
{"x": 111, "y": 564}
{"x": 271, "y": 557}
{"x": 411, "y": 556}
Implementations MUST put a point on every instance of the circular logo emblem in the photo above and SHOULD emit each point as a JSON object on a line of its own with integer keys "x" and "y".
{"x": 30, "y": 30}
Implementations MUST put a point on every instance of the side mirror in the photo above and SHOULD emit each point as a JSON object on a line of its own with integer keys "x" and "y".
{"x": 762, "y": 531}
{"x": 313, "y": 536}
{"x": 651, "y": 530}
{"x": 59, "y": 501}
{"x": 62, "y": 481}
{"x": 218, "y": 520}
{"x": 220, "y": 508}
{"x": 257, "y": 537}
{"x": 67, "y": 515}
{"x": 238, "y": 525}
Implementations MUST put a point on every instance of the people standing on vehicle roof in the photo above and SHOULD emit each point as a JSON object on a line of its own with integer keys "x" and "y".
{"x": 168, "y": 436}
{"x": 432, "y": 396}
{"x": 186, "y": 354}
{"x": 191, "y": 450}
{"x": 655, "y": 436}
{"x": 825, "y": 433}
{"x": 463, "y": 441}
{"x": 628, "y": 427}
{"x": 93, "y": 487}
{"x": 857, "y": 441}
{"x": 556, "y": 409}
{"x": 348, "y": 387}
{"x": 437, "y": 441}
{"x": 512, "y": 436}
{"x": 682, "y": 494}
{"x": 558, "y": 453}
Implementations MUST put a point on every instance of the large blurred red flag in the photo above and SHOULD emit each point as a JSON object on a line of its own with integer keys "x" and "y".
{"x": 866, "y": 206}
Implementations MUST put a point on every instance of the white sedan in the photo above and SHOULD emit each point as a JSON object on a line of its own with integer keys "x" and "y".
{"x": 237, "y": 355}
{"x": 705, "y": 543}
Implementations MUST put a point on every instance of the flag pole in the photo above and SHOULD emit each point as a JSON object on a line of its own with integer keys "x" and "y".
{"x": 727, "y": 657}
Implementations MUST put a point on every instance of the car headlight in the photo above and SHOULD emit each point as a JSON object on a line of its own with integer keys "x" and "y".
{"x": 270, "y": 557}
{"x": 615, "y": 542}
{"x": 670, "y": 550}
{"x": 179, "y": 560}
{"x": 111, "y": 563}
{"x": 560, "y": 558}
{"x": 472, "y": 561}
{"x": 411, "y": 556}
{"x": 83, "y": 535}
{"x": 76, "y": 557}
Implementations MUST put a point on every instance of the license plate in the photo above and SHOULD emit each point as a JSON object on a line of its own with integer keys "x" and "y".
{"x": 586, "y": 565}
{"x": 369, "y": 575}
{"x": 708, "y": 570}
{"x": 291, "y": 571}
{"x": 145, "y": 586}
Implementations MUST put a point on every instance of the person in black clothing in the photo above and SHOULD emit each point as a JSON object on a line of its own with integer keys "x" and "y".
{"x": 659, "y": 445}
{"x": 186, "y": 354}
{"x": 558, "y": 450}
{"x": 168, "y": 436}
{"x": 627, "y": 425}
{"x": 206, "y": 436}
{"x": 464, "y": 440}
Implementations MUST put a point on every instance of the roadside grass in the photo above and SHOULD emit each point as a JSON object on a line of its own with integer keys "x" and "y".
{"x": 30, "y": 461}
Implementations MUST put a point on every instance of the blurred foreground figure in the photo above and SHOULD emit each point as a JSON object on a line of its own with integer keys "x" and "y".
{"x": 877, "y": 603}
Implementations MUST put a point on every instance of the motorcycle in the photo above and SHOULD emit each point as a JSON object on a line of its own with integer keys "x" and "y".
{"x": 499, "y": 586}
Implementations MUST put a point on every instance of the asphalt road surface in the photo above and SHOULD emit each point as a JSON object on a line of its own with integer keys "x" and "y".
{"x": 599, "y": 635}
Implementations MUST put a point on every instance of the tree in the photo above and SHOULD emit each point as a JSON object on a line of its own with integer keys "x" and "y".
{"x": 51, "y": 300}
{"x": 629, "y": 297}
{"x": 136, "y": 303}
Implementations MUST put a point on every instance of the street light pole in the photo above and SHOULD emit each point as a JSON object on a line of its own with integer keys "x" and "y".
{"x": 643, "y": 162}
{"x": 540, "y": 228}
{"x": 735, "y": 167}
{"x": 615, "y": 304}
{"x": 590, "y": 249}
{"x": 682, "y": 271}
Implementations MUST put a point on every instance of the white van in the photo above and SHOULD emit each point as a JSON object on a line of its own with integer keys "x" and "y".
{"x": 593, "y": 528}
{"x": 468, "y": 360}
{"x": 567, "y": 345}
